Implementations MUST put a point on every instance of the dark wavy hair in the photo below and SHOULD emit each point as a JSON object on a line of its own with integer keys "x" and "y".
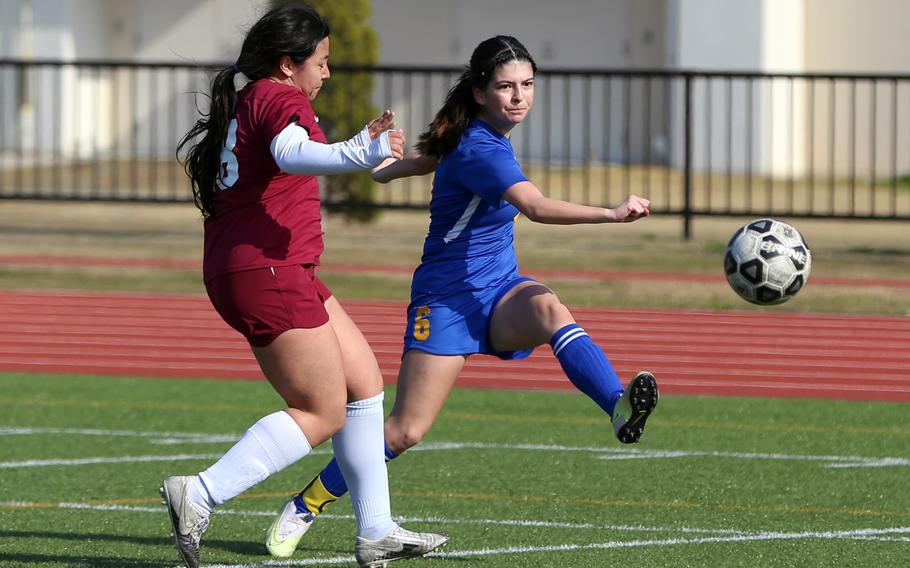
{"x": 294, "y": 31}
{"x": 444, "y": 133}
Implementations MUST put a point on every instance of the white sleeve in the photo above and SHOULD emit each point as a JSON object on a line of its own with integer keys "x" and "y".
{"x": 360, "y": 140}
{"x": 295, "y": 153}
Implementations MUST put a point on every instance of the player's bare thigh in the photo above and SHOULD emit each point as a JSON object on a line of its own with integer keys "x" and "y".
{"x": 364, "y": 379}
{"x": 527, "y": 316}
{"x": 424, "y": 383}
{"x": 306, "y": 368}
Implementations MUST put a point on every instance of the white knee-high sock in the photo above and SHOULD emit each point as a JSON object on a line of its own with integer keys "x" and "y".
{"x": 360, "y": 450}
{"x": 267, "y": 447}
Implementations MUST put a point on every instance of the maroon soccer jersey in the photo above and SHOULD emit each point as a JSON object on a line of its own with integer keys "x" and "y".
{"x": 263, "y": 216}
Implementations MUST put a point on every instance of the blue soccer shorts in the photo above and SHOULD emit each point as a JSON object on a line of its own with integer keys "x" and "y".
{"x": 458, "y": 323}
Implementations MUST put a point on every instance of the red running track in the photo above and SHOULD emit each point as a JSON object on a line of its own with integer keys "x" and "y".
{"x": 709, "y": 353}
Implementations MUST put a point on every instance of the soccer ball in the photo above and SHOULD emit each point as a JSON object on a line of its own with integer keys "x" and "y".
{"x": 767, "y": 262}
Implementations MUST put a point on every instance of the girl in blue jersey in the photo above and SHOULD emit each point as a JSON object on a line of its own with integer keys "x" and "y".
{"x": 467, "y": 295}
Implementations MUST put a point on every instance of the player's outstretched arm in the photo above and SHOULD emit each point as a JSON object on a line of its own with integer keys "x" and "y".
{"x": 534, "y": 205}
{"x": 295, "y": 153}
{"x": 412, "y": 164}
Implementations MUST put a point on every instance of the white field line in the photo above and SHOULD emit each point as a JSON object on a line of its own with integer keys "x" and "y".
{"x": 514, "y": 550}
{"x": 722, "y": 536}
{"x": 177, "y": 438}
{"x": 892, "y": 534}
{"x": 401, "y": 519}
{"x": 763, "y": 536}
{"x": 156, "y": 437}
{"x": 106, "y": 460}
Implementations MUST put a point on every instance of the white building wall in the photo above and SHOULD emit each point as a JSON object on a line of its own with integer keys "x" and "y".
{"x": 851, "y": 36}
{"x": 846, "y": 36}
{"x": 753, "y": 36}
{"x": 580, "y": 34}
{"x": 574, "y": 34}
{"x": 143, "y": 30}
{"x": 99, "y": 113}
{"x": 741, "y": 35}
{"x": 785, "y": 103}
{"x": 171, "y": 29}
{"x": 716, "y": 35}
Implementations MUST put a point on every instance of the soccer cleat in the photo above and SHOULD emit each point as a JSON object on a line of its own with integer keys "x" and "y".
{"x": 634, "y": 406}
{"x": 292, "y": 522}
{"x": 188, "y": 522}
{"x": 398, "y": 545}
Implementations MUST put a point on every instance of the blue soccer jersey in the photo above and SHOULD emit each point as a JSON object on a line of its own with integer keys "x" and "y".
{"x": 470, "y": 243}
{"x": 468, "y": 259}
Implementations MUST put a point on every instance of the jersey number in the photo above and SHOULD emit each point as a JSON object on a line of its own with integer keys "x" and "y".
{"x": 422, "y": 324}
{"x": 229, "y": 169}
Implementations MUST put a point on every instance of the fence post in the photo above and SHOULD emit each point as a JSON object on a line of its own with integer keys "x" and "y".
{"x": 687, "y": 159}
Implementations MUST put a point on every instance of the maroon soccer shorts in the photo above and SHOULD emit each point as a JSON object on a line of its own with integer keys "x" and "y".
{"x": 263, "y": 303}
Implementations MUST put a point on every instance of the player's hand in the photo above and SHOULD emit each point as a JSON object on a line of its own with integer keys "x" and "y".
{"x": 385, "y": 121}
{"x": 632, "y": 209}
{"x": 396, "y": 141}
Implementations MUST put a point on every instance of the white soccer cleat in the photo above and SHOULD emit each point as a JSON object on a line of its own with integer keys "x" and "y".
{"x": 397, "y": 545}
{"x": 187, "y": 521}
{"x": 288, "y": 528}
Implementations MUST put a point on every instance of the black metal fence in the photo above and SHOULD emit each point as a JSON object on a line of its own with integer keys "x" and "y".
{"x": 695, "y": 143}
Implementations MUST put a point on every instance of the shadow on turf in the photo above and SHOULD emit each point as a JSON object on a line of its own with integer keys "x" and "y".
{"x": 241, "y": 548}
{"x": 38, "y": 559}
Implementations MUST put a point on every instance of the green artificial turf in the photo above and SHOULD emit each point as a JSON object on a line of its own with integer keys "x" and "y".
{"x": 516, "y": 478}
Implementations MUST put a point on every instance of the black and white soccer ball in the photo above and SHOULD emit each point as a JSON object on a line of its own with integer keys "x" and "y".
{"x": 767, "y": 262}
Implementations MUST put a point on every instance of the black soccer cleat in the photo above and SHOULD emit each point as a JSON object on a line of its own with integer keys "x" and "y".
{"x": 634, "y": 406}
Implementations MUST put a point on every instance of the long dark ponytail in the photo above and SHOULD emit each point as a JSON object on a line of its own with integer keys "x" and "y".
{"x": 444, "y": 133}
{"x": 294, "y": 31}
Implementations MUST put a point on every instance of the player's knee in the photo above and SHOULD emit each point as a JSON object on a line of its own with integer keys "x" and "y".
{"x": 412, "y": 437}
{"x": 329, "y": 409}
{"x": 330, "y": 419}
{"x": 553, "y": 313}
{"x": 318, "y": 423}
{"x": 335, "y": 419}
{"x": 400, "y": 437}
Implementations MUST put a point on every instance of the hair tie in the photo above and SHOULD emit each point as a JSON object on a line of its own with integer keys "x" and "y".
{"x": 235, "y": 68}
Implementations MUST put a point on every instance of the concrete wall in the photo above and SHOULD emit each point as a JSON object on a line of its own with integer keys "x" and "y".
{"x": 716, "y": 35}
{"x": 846, "y": 36}
{"x": 749, "y": 35}
{"x": 575, "y": 34}
{"x": 108, "y": 111}
{"x": 851, "y": 36}
{"x": 588, "y": 34}
{"x": 740, "y": 35}
{"x": 162, "y": 30}
{"x": 767, "y": 117}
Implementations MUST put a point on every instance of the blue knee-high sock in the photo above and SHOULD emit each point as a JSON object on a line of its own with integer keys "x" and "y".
{"x": 587, "y": 366}
{"x": 332, "y": 481}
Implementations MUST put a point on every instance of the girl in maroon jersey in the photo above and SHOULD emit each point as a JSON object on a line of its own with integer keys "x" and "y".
{"x": 253, "y": 172}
